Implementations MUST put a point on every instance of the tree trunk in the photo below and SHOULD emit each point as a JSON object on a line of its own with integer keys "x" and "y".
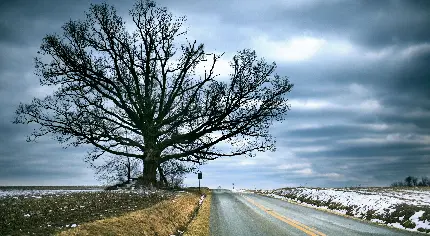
{"x": 128, "y": 170}
{"x": 162, "y": 176}
{"x": 150, "y": 173}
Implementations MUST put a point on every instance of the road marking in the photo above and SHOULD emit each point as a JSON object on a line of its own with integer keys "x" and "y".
{"x": 308, "y": 230}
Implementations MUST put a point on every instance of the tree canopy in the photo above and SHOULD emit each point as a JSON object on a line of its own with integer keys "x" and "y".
{"x": 110, "y": 79}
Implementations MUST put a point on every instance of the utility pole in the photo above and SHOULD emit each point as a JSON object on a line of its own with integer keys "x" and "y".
{"x": 233, "y": 185}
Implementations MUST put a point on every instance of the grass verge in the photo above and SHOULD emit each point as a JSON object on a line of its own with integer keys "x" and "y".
{"x": 164, "y": 218}
{"x": 200, "y": 225}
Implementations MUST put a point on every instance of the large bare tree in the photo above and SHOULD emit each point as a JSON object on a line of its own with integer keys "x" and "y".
{"x": 111, "y": 78}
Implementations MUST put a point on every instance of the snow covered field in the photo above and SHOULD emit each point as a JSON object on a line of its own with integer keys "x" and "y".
{"x": 401, "y": 208}
{"x": 40, "y": 193}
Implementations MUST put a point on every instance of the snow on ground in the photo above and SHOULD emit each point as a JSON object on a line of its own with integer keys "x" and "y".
{"x": 383, "y": 201}
{"x": 238, "y": 190}
{"x": 39, "y": 193}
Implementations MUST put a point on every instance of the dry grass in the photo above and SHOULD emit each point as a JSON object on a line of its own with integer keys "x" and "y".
{"x": 164, "y": 218}
{"x": 200, "y": 225}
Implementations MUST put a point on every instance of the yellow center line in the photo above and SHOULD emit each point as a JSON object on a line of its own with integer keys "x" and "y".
{"x": 308, "y": 230}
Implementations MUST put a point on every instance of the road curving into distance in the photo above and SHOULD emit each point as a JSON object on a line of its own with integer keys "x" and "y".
{"x": 251, "y": 214}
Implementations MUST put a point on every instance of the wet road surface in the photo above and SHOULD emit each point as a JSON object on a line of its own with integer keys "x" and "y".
{"x": 251, "y": 214}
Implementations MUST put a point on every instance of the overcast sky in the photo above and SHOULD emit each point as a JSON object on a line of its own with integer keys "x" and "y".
{"x": 360, "y": 107}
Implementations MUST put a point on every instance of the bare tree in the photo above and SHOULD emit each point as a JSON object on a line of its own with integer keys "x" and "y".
{"x": 425, "y": 181}
{"x": 411, "y": 181}
{"x": 116, "y": 169}
{"x": 109, "y": 81}
{"x": 172, "y": 172}
{"x": 415, "y": 181}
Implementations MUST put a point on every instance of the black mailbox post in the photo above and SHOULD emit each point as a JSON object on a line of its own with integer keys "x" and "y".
{"x": 199, "y": 176}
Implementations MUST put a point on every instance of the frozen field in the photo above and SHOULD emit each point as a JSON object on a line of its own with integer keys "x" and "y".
{"x": 43, "y": 211}
{"x": 401, "y": 208}
{"x": 40, "y": 193}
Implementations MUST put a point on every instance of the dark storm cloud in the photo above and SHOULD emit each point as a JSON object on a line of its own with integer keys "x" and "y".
{"x": 407, "y": 93}
{"x": 42, "y": 160}
{"x": 404, "y": 150}
{"x": 413, "y": 77}
{"x": 370, "y": 23}
{"x": 334, "y": 131}
{"x": 23, "y": 24}
{"x": 375, "y": 24}
{"x": 370, "y": 171}
{"x": 401, "y": 88}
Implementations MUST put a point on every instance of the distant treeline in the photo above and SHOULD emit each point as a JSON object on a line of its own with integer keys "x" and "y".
{"x": 412, "y": 181}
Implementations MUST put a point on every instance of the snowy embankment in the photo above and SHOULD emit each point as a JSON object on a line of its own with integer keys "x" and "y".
{"x": 401, "y": 208}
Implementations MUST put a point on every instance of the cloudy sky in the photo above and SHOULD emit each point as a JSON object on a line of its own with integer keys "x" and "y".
{"x": 360, "y": 107}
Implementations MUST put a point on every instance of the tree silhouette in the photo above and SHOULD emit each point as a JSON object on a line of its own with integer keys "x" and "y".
{"x": 411, "y": 181}
{"x": 425, "y": 181}
{"x": 117, "y": 169}
{"x": 108, "y": 81}
{"x": 172, "y": 172}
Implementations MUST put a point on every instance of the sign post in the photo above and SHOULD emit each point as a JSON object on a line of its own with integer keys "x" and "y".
{"x": 199, "y": 175}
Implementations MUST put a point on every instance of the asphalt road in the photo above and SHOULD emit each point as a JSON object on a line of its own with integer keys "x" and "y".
{"x": 251, "y": 214}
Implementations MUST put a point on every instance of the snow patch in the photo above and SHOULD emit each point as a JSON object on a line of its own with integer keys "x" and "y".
{"x": 377, "y": 221}
{"x": 40, "y": 193}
